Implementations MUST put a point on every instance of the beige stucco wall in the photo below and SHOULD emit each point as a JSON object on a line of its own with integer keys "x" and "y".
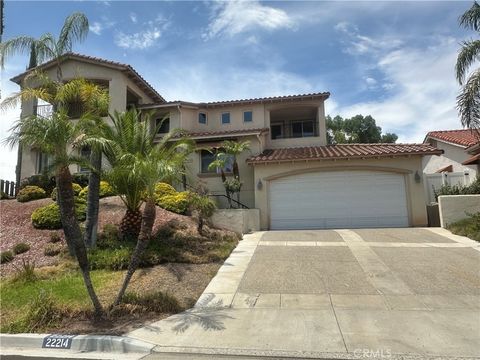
{"x": 453, "y": 208}
{"x": 241, "y": 221}
{"x": 453, "y": 155}
{"x": 408, "y": 166}
{"x": 214, "y": 182}
{"x": 118, "y": 84}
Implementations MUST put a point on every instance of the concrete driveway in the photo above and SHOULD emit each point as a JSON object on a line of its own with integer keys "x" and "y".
{"x": 371, "y": 293}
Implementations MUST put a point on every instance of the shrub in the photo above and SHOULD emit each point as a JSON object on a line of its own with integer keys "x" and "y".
{"x": 48, "y": 217}
{"x": 26, "y": 273}
{"x": 43, "y": 181}
{"x": 55, "y": 237}
{"x": 20, "y": 248}
{"x": 162, "y": 189}
{"x": 81, "y": 179}
{"x": 109, "y": 237}
{"x": 6, "y": 256}
{"x": 52, "y": 249}
{"x": 76, "y": 191}
{"x": 110, "y": 259}
{"x": 203, "y": 208}
{"x": 4, "y": 196}
{"x": 177, "y": 203}
{"x": 29, "y": 193}
{"x": 473, "y": 188}
{"x": 156, "y": 301}
{"x": 106, "y": 190}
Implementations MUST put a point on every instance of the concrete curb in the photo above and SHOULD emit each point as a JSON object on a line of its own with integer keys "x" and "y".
{"x": 278, "y": 354}
{"x": 85, "y": 346}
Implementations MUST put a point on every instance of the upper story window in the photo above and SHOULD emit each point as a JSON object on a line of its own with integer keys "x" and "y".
{"x": 303, "y": 129}
{"x": 276, "y": 131}
{"x": 226, "y": 118}
{"x": 202, "y": 118}
{"x": 44, "y": 161}
{"x": 163, "y": 125}
{"x": 247, "y": 116}
{"x": 207, "y": 157}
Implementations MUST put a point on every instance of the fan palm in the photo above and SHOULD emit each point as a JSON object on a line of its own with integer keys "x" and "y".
{"x": 468, "y": 101}
{"x": 47, "y": 46}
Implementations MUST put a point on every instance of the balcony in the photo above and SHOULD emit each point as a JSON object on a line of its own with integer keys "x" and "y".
{"x": 293, "y": 129}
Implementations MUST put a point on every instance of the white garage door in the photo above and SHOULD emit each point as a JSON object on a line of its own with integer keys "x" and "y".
{"x": 338, "y": 199}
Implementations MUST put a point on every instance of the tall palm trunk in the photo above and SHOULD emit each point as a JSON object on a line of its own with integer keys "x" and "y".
{"x": 93, "y": 202}
{"x": 73, "y": 234}
{"x": 148, "y": 219}
{"x": 224, "y": 178}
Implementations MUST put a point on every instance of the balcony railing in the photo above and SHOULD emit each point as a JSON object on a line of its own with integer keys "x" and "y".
{"x": 44, "y": 110}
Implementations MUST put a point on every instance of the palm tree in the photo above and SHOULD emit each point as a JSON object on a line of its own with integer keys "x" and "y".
{"x": 60, "y": 137}
{"x": 47, "y": 46}
{"x": 229, "y": 154}
{"x": 468, "y": 101}
{"x": 158, "y": 162}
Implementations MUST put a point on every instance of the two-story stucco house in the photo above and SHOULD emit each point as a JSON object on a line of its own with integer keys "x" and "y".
{"x": 461, "y": 152}
{"x": 290, "y": 174}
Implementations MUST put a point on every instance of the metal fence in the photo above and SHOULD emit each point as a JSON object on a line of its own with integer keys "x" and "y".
{"x": 8, "y": 187}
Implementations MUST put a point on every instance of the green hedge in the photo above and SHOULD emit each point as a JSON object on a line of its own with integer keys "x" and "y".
{"x": 473, "y": 188}
{"x": 177, "y": 203}
{"x": 106, "y": 190}
{"x": 48, "y": 217}
{"x": 29, "y": 193}
{"x": 76, "y": 190}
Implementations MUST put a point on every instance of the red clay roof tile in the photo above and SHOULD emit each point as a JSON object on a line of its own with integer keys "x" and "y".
{"x": 343, "y": 151}
{"x": 464, "y": 137}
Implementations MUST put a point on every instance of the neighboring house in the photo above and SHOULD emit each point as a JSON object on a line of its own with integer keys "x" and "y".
{"x": 290, "y": 174}
{"x": 461, "y": 152}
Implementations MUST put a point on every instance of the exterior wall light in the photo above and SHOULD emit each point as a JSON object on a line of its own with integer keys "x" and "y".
{"x": 418, "y": 178}
{"x": 259, "y": 184}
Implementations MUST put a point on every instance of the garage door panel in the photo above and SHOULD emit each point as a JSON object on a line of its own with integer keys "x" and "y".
{"x": 341, "y": 199}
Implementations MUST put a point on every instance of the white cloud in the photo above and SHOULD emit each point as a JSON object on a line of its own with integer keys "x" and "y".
{"x": 358, "y": 44}
{"x": 234, "y": 17}
{"x": 422, "y": 87}
{"x": 133, "y": 17}
{"x": 371, "y": 82}
{"x": 143, "y": 39}
{"x": 96, "y": 28}
{"x": 140, "y": 40}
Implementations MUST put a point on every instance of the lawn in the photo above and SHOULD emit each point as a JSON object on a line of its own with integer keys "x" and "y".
{"x": 51, "y": 297}
{"x": 469, "y": 227}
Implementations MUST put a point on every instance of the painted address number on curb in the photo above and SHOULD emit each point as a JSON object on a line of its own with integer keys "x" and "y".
{"x": 57, "y": 341}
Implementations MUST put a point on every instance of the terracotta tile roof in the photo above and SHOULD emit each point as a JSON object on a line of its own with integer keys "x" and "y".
{"x": 127, "y": 69}
{"x": 460, "y": 137}
{"x": 343, "y": 151}
{"x": 213, "y": 134}
{"x": 271, "y": 99}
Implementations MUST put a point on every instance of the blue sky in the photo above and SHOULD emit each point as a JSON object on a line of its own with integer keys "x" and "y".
{"x": 392, "y": 60}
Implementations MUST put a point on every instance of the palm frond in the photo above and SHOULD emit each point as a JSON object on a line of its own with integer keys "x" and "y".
{"x": 468, "y": 102}
{"x": 471, "y": 18}
{"x": 74, "y": 29}
{"x": 469, "y": 53}
{"x": 16, "y": 45}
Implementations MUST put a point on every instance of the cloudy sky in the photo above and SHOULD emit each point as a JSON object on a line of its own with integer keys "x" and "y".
{"x": 391, "y": 60}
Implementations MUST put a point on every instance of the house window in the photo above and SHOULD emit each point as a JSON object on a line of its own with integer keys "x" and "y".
{"x": 276, "y": 131}
{"x": 164, "y": 127}
{"x": 303, "y": 129}
{"x": 85, "y": 154}
{"x": 247, "y": 116}
{"x": 43, "y": 163}
{"x": 202, "y": 118}
{"x": 207, "y": 157}
{"x": 226, "y": 118}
